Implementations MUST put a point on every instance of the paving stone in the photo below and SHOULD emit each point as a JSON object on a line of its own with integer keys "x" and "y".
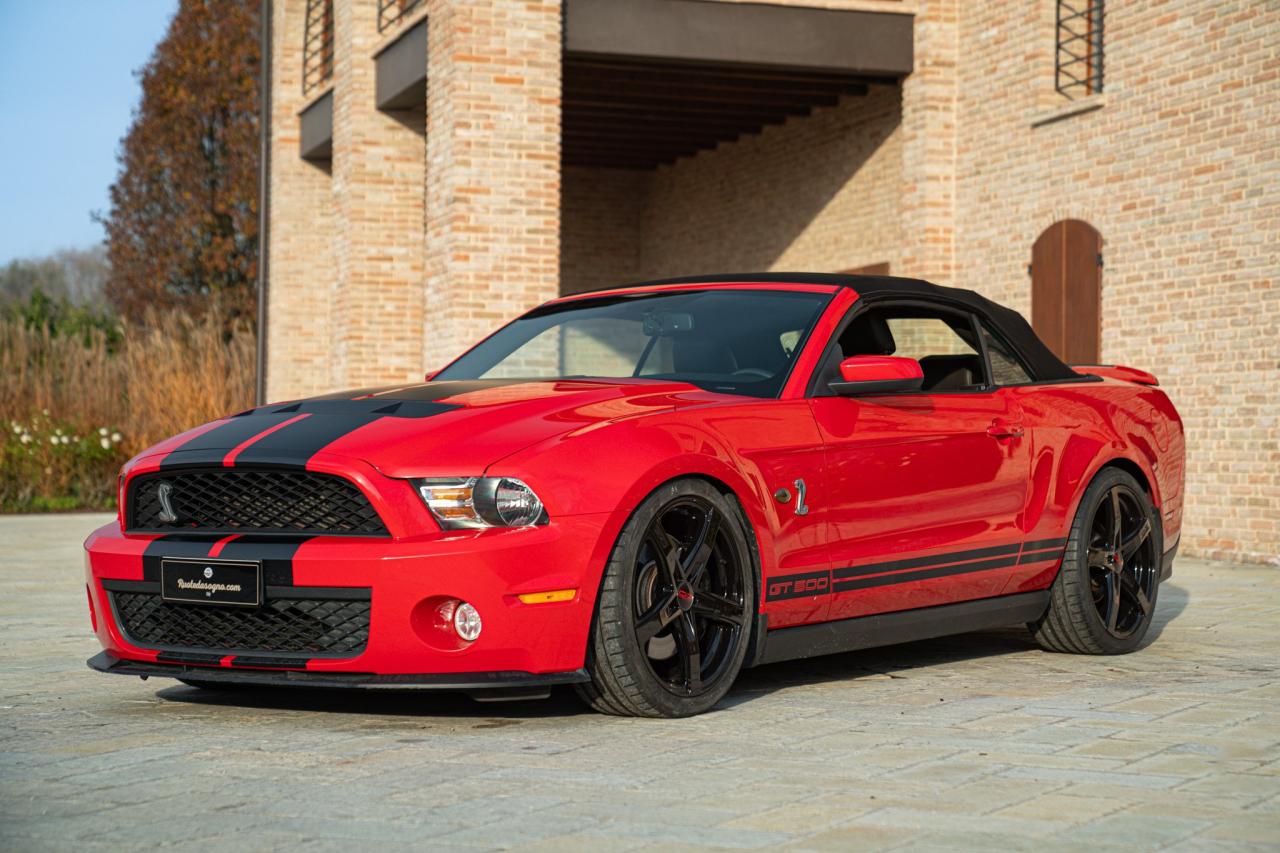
{"x": 977, "y": 742}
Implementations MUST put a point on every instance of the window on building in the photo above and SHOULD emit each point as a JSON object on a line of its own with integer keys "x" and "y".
{"x": 392, "y": 12}
{"x": 317, "y": 47}
{"x": 1079, "y": 51}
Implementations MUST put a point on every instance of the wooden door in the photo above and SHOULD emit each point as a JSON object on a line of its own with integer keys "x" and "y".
{"x": 1066, "y": 290}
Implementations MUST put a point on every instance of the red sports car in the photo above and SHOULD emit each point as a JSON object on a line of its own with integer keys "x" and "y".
{"x": 640, "y": 491}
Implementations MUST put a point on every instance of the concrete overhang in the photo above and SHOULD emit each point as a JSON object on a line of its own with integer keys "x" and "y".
{"x": 402, "y": 71}
{"x": 315, "y": 136}
{"x": 647, "y": 82}
{"x": 870, "y": 44}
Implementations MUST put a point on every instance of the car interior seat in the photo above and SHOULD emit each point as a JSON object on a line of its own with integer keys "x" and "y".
{"x": 950, "y": 372}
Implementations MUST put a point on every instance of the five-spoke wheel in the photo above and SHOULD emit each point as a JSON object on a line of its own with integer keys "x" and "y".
{"x": 1105, "y": 594}
{"x": 674, "y": 613}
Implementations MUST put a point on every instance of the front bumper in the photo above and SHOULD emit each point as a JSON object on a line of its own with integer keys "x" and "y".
{"x": 484, "y": 686}
{"x": 404, "y": 580}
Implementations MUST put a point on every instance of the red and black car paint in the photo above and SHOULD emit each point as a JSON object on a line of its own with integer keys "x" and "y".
{"x": 593, "y": 449}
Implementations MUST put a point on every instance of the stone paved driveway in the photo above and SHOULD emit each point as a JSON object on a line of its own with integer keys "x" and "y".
{"x": 979, "y": 741}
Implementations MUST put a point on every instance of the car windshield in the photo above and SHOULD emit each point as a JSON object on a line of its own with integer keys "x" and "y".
{"x": 730, "y": 341}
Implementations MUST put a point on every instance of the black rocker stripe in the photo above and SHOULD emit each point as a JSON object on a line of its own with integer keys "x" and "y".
{"x": 924, "y": 574}
{"x": 1042, "y": 544}
{"x": 922, "y": 562}
{"x": 1040, "y": 556}
{"x": 890, "y": 573}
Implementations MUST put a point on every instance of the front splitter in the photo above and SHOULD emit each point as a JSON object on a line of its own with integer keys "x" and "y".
{"x": 483, "y": 686}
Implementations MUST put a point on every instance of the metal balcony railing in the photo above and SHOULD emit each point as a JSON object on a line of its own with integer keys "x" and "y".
{"x": 317, "y": 46}
{"x": 392, "y": 12}
{"x": 1079, "y": 54}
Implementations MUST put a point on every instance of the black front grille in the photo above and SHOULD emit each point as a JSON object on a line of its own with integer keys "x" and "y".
{"x": 248, "y": 501}
{"x": 307, "y": 627}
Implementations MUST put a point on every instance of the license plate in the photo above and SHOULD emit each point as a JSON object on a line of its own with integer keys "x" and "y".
{"x": 228, "y": 582}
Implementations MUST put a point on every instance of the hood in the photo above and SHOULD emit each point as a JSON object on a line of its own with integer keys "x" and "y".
{"x": 430, "y": 429}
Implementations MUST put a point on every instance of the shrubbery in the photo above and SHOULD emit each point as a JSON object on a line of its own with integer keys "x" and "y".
{"x": 68, "y": 374}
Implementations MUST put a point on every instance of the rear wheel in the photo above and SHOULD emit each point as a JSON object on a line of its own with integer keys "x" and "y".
{"x": 1104, "y": 597}
{"x": 674, "y": 613}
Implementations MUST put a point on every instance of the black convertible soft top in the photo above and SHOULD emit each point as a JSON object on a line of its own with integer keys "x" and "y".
{"x": 1045, "y": 366}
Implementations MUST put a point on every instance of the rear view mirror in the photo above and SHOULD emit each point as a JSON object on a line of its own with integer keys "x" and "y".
{"x": 667, "y": 323}
{"x": 877, "y": 374}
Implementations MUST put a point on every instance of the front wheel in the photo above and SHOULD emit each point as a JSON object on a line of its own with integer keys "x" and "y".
{"x": 674, "y": 613}
{"x": 1104, "y": 597}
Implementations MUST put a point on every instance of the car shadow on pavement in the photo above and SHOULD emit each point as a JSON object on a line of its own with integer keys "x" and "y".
{"x": 887, "y": 661}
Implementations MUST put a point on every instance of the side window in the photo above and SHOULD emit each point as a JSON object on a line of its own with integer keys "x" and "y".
{"x": 944, "y": 343}
{"x": 944, "y": 346}
{"x": 1005, "y": 367}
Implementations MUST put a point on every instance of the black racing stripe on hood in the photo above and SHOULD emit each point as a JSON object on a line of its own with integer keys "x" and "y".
{"x": 427, "y": 392}
{"x": 295, "y": 444}
{"x": 214, "y": 443}
{"x": 325, "y": 421}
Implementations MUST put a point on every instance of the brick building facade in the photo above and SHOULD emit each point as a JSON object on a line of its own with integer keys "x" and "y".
{"x": 439, "y": 166}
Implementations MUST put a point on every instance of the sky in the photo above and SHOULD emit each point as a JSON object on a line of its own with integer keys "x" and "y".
{"x": 67, "y": 95}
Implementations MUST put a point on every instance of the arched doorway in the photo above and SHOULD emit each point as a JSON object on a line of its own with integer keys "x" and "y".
{"x": 1066, "y": 290}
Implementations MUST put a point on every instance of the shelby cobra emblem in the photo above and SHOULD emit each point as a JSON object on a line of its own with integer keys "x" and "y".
{"x": 163, "y": 492}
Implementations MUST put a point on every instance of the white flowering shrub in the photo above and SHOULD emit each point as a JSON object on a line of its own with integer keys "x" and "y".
{"x": 46, "y": 464}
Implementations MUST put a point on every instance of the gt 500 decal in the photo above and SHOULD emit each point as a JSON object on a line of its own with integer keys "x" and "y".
{"x": 798, "y": 586}
{"x": 847, "y": 579}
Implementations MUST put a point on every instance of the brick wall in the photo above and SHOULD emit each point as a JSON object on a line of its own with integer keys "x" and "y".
{"x": 950, "y": 176}
{"x": 1179, "y": 169}
{"x": 377, "y": 190}
{"x": 301, "y": 238}
{"x": 493, "y": 176}
{"x": 600, "y": 227}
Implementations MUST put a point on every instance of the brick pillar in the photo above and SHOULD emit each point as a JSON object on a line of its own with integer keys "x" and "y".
{"x": 929, "y": 146}
{"x": 378, "y": 186}
{"x": 493, "y": 166}
{"x": 301, "y": 228}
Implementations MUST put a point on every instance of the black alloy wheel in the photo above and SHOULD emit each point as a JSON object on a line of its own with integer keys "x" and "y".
{"x": 689, "y": 596}
{"x": 1103, "y": 600}
{"x": 1123, "y": 569}
{"x": 676, "y": 605}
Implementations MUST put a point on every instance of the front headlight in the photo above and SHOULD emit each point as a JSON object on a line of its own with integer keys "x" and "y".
{"x": 470, "y": 502}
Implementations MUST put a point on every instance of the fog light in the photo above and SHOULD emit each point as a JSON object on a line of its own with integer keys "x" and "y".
{"x": 466, "y": 621}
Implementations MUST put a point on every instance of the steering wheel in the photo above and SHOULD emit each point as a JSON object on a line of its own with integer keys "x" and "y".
{"x": 755, "y": 372}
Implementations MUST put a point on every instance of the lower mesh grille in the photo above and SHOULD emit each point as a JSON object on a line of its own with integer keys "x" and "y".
{"x": 304, "y": 626}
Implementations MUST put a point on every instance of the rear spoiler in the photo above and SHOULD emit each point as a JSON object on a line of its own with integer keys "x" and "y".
{"x": 1117, "y": 371}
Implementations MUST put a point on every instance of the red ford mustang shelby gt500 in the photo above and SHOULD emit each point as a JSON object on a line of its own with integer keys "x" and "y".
{"x": 641, "y": 491}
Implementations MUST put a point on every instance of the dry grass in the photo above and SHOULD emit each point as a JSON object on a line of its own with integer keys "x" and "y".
{"x": 167, "y": 375}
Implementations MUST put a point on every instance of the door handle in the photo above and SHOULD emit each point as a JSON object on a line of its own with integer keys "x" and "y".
{"x": 1000, "y": 428}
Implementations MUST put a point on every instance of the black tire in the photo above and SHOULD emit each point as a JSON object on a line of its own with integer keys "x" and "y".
{"x": 1104, "y": 597}
{"x": 674, "y": 615}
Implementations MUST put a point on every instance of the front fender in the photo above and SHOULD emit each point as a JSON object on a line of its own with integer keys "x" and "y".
{"x": 612, "y": 468}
